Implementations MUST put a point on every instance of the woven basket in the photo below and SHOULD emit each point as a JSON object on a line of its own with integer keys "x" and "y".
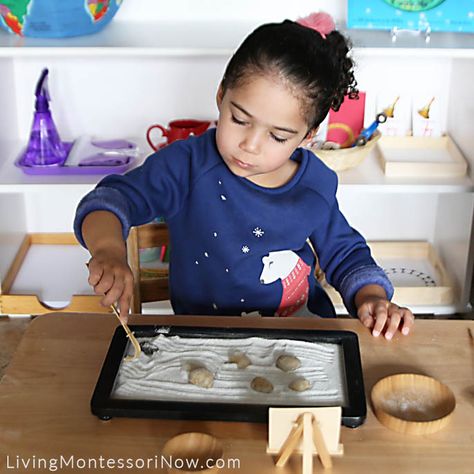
{"x": 346, "y": 158}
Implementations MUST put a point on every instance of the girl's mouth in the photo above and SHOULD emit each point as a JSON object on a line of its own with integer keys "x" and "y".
{"x": 242, "y": 164}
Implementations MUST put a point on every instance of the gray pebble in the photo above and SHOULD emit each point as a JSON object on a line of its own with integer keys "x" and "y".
{"x": 240, "y": 359}
{"x": 260, "y": 384}
{"x": 300, "y": 384}
{"x": 288, "y": 363}
{"x": 201, "y": 377}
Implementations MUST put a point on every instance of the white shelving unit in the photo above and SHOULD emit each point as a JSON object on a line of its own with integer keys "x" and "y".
{"x": 143, "y": 71}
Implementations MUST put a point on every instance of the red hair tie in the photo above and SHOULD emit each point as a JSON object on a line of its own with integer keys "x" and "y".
{"x": 321, "y": 22}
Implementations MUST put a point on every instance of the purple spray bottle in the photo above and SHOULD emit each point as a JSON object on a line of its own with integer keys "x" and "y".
{"x": 45, "y": 148}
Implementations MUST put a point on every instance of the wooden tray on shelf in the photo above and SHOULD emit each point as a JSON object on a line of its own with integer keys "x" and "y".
{"x": 15, "y": 299}
{"x": 415, "y": 270}
{"x": 426, "y": 157}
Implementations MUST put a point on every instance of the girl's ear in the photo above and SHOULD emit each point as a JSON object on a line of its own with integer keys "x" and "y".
{"x": 309, "y": 136}
{"x": 219, "y": 96}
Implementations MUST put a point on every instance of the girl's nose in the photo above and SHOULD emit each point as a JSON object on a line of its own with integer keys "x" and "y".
{"x": 251, "y": 142}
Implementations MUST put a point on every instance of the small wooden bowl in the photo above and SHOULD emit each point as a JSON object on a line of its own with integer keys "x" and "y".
{"x": 413, "y": 404}
{"x": 192, "y": 453}
{"x": 346, "y": 158}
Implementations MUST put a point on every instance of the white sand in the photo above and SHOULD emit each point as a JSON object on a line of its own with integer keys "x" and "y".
{"x": 164, "y": 374}
{"x": 413, "y": 405}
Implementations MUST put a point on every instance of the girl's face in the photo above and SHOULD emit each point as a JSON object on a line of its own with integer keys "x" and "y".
{"x": 260, "y": 125}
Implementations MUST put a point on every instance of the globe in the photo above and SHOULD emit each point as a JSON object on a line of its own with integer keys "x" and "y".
{"x": 56, "y": 19}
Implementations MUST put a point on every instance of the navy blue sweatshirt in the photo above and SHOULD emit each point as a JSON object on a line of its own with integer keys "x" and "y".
{"x": 237, "y": 247}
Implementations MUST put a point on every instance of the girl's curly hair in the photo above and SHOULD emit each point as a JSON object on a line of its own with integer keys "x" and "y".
{"x": 320, "y": 70}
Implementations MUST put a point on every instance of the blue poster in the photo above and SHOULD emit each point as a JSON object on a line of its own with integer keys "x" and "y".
{"x": 438, "y": 15}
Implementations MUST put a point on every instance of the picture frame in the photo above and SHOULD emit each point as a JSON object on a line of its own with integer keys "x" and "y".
{"x": 105, "y": 405}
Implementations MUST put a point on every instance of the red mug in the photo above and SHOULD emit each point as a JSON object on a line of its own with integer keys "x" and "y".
{"x": 177, "y": 130}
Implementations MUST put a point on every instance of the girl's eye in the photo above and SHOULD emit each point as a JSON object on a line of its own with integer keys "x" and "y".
{"x": 278, "y": 139}
{"x": 237, "y": 121}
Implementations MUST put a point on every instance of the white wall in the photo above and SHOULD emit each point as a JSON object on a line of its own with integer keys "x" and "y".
{"x": 8, "y": 120}
{"x": 407, "y": 76}
{"x": 252, "y": 11}
{"x": 145, "y": 90}
{"x": 387, "y": 216}
{"x": 119, "y": 97}
{"x": 461, "y": 111}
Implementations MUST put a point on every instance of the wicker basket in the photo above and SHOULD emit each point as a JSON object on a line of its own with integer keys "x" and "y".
{"x": 346, "y": 158}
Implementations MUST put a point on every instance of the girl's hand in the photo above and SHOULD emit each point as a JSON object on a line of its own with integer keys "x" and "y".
{"x": 380, "y": 315}
{"x": 111, "y": 276}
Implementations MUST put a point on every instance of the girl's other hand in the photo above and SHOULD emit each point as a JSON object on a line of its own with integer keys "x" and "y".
{"x": 382, "y": 316}
{"x": 111, "y": 276}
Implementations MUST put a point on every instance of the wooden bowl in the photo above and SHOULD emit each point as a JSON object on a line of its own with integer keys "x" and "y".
{"x": 413, "y": 404}
{"x": 346, "y": 158}
{"x": 192, "y": 453}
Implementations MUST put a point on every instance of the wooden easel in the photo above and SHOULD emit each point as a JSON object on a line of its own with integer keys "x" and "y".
{"x": 311, "y": 430}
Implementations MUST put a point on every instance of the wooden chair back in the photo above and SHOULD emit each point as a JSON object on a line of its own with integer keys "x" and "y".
{"x": 149, "y": 284}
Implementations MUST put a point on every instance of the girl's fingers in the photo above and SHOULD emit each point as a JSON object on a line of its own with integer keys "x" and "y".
{"x": 408, "y": 320}
{"x": 95, "y": 273}
{"x": 367, "y": 321}
{"x": 381, "y": 315}
{"x": 126, "y": 297}
{"x": 365, "y": 317}
{"x": 114, "y": 293}
{"x": 393, "y": 321}
{"x": 124, "y": 305}
{"x": 105, "y": 283}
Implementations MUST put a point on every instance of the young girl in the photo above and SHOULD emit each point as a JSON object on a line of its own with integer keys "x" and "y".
{"x": 246, "y": 206}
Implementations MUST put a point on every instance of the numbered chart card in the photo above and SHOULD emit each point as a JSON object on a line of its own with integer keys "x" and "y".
{"x": 420, "y": 15}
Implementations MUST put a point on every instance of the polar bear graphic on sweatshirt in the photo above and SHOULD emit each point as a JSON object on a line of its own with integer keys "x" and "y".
{"x": 293, "y": 272}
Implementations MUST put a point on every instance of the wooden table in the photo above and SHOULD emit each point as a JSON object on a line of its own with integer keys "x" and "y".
{"x": 45, "y": 395}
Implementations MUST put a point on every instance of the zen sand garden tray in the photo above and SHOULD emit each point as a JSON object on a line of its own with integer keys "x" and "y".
{"x": 161, "y": 382}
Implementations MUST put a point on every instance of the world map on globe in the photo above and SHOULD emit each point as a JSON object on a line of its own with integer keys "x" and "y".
{"x": 74, "y": 17}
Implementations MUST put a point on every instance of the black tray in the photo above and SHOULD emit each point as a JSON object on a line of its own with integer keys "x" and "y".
{"x": 106, "y": 407}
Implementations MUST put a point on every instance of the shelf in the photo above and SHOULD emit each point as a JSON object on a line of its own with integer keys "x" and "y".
{"x": 217, "y": 39}
{"x": 368, "y": 176}
{"x": 135, "y": 39}
{"x": 411, "y": 44}
{"x": 13, "y": 180}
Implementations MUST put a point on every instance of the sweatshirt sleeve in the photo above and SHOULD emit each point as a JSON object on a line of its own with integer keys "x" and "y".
{"x": 156, "y": 188}
{"x": 343, "y": 253}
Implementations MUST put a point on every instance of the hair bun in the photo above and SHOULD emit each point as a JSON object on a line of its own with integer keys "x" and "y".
{"x": 321, "y": 22}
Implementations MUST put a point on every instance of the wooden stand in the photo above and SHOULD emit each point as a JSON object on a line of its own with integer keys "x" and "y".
{"x": 307, "y": 430}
